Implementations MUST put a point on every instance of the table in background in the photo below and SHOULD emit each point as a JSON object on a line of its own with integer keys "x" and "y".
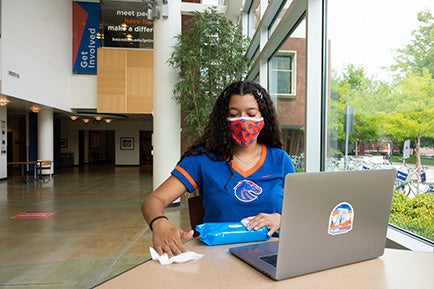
{"x": 39, "y": 165}
{"x": 219, "y": 269}
{"x": 23, "y": 165}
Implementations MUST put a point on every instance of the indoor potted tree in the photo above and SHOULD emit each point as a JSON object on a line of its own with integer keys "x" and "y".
{"x": 209, "y": 56}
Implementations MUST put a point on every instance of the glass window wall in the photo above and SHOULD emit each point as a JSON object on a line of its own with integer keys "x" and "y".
{"x": 286, "y": 84}
{"x": 254, "y": 17}
{"x": 381, "y": 100}
{"x": 378, "y": 96}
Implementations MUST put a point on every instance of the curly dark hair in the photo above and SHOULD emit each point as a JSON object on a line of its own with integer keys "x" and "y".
{"x": 216, "y": 138}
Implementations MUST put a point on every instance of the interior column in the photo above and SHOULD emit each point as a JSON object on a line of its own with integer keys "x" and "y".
{"x": 45, "y": 136}
{"x": 166, "y": 139}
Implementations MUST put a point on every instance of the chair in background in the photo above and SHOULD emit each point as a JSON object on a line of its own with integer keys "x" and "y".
{"x": 44, "y": 168}
{"x": 196, "y": 212}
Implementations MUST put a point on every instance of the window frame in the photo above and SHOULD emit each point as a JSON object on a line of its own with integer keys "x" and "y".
{"x": 292, "y": 55}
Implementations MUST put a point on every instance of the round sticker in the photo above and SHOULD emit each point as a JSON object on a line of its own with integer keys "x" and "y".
{"x": 341, "y": 219}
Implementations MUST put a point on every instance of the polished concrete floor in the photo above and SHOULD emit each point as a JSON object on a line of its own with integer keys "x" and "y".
{"x": 96, "y": 233}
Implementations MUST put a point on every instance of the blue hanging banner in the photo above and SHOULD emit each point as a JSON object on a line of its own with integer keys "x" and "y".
{"x": 86, "y": 37}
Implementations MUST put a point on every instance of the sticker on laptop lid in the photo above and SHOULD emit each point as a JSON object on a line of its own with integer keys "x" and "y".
{"x": 341, "y": 219}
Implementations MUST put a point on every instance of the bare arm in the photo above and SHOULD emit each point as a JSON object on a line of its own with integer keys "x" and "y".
{"x": 166, "y": 237}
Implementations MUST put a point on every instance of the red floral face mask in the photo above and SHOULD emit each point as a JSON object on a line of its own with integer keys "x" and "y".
{"x": 245, "y": 130}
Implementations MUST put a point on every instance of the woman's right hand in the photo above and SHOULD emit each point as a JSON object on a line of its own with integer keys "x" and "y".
{"x": 168, "y": 238}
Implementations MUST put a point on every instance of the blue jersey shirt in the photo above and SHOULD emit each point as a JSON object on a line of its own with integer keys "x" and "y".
{"x": 231, "y": 194}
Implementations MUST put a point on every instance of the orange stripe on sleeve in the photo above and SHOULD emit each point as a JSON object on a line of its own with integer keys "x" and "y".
{"x": 187, "y": 176}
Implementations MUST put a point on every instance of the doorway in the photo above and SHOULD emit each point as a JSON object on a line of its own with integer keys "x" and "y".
{"x": 96, "y": 147}
{"x": 145, "y": 148}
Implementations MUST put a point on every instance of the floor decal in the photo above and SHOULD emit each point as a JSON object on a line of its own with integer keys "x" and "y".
{"x": 34, "y": 215}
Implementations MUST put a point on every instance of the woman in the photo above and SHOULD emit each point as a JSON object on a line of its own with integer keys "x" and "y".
{"x": 237, "y": 165}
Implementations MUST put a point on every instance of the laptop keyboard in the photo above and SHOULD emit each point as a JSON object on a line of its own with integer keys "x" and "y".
{"x": 270, "y": 259}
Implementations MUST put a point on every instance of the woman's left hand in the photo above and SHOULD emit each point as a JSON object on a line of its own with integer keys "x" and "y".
{"x": 271, "y": 221}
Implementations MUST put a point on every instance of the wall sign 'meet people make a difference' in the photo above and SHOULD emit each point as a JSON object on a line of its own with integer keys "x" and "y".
{"x": 126, "y": 24}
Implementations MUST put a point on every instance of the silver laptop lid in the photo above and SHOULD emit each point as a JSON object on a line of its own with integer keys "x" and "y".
{"x": 331, "y": 219}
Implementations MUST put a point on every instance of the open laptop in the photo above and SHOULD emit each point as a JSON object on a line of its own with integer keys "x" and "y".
{"x": 328, "y": 219}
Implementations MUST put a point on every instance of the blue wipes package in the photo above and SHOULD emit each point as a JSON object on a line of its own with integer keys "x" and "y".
{"x": 229, "y": 233}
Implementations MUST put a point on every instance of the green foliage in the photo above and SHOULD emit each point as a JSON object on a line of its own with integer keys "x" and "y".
{"x": 415, "y": 215}
{"x": 426, "y": 161}
{"x": 396, "y": 111}
{"x": 413, "y": 115}
{"x": 418, "y": 54}
{"x": 209, "y": 56}
{"x": 413, "y": 93}
{"x": 427, "y": 142}
{"x": 368, "y": 97}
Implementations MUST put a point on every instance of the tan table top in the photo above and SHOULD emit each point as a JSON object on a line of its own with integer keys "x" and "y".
{"x": 219, "y": 269}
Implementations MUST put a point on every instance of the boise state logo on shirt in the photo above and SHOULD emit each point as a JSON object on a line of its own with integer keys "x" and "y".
{"x": 247, "y": 191}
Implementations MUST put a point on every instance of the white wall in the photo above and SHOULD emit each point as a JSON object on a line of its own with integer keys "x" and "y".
{"x": 83, "y": 91}
{"x": 128, "y": 157}
{"x": 1, "y": 63}
{"x": 37, "y": 36}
